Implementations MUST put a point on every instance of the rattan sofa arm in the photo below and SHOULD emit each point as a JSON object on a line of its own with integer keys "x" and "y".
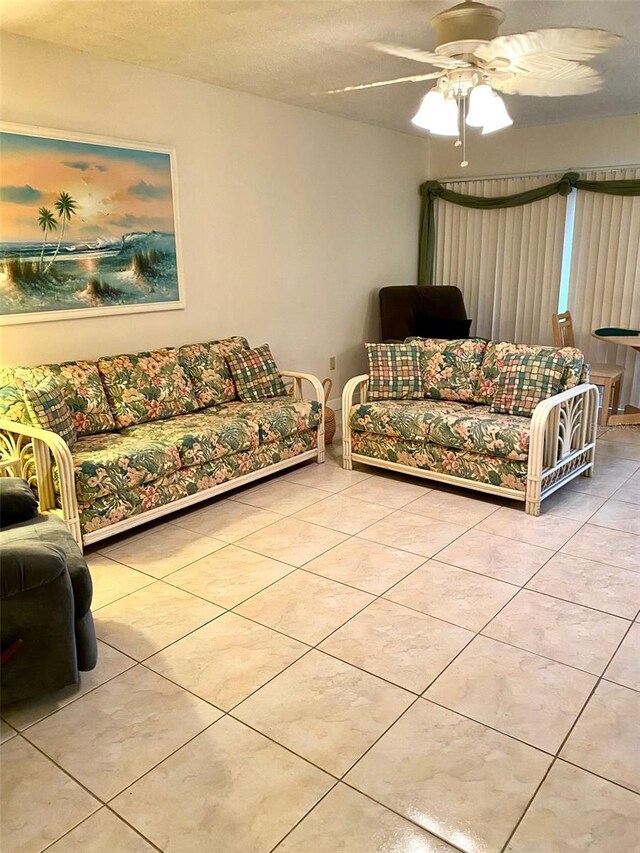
{"x": 545, "y": 407}
{"x": 46, "y": 444}
{"x": 562, "y": 435}
{"x": 348, "y": 393}
{"x": 299, "y": 379}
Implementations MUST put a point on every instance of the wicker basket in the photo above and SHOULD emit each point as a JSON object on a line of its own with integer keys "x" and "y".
{"x": 329, "y": 414}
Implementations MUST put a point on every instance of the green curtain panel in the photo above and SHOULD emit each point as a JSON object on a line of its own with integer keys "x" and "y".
{"x": 432, "y": 190}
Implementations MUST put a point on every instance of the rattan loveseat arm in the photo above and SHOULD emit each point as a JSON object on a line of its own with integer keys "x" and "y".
{"x": 28, "y": 451}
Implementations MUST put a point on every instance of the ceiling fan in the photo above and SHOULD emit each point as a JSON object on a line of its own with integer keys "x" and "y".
{"x": 474, "y": 64}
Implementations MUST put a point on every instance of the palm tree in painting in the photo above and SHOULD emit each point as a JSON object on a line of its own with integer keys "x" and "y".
{"x": 47, "y": 222}
{"x": 66, "y": 208}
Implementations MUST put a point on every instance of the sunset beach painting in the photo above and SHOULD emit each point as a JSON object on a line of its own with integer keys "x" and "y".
{"x": 87, "y": 227}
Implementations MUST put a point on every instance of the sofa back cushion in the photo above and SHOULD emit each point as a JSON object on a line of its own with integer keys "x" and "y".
{"x": 497, "y": 351}
{"x": 256, "y": 374}
{"x": 394, "y": 371}
{"x": 47, "y": 409}
{"x": 451, "y": 369}
{"x": 146, "y": 386}
{"x": 81, "y": 388}
{"x": 12, "y": 405}
{"x": 208, "y": 370}
{"x": 525, "y": 380}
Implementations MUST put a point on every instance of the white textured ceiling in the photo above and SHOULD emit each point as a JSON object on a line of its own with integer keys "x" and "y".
{"x": 289, "y": 49}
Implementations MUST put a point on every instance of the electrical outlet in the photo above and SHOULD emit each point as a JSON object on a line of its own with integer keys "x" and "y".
{"x": 332, "y": 363}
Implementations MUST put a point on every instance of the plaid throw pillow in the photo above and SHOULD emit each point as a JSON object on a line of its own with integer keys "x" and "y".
{"x": 525, "y": 380}
{"x": 394, "y": 372}
{"x": 47, "y": 409}
{"x": 255, "y": 373}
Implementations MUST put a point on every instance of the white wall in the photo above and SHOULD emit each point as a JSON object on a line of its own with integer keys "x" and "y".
{"x": 518, "y": 150}
{"x": 290, "y": 219}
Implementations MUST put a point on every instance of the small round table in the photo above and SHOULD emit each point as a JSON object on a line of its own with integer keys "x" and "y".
{"x": 631, "y": 416}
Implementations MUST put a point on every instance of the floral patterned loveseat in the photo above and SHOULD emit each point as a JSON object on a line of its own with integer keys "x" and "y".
{"x": 451, "y": 433}
{"x": 156, "y": 431}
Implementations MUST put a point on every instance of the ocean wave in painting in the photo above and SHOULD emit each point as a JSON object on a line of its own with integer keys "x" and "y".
{"x": 136, "y": 268}
{"x": 85, "y": 224}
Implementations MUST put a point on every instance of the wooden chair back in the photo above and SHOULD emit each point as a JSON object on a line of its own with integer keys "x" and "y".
{"x": 562, "y": 330}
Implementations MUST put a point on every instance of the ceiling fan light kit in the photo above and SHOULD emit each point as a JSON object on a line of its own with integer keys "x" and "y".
{"x": 474, "y": 64}
{"x": 496, "y": 117}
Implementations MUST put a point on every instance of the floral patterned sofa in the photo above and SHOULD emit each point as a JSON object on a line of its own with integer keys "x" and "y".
{"x": 152, "y": 432}
{"x": 449, "y": 430}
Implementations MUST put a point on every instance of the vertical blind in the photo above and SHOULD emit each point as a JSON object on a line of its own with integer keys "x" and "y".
{"x": 507, "y": 262}
{"x": 604, "y": 277}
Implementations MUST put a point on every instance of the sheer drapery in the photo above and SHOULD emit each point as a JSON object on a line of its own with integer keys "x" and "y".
{"x": 604, "y": 281}
{"x": 507, "y": 261}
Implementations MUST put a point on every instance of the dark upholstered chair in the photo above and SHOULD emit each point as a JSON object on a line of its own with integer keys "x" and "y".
{"x": 429, "y": 312}
{"x": 46, "y": 627}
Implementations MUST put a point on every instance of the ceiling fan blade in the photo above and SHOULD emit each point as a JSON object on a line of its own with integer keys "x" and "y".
{"x": 546, "y": 77}
{"x": 416, "y": 78}
{"x": 573, "y": 44}
{"x": 418, "y": 55}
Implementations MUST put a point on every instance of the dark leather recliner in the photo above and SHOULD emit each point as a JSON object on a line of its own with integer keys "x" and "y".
{"x": 428, "y": 312}
{"x": 46, "y": 628}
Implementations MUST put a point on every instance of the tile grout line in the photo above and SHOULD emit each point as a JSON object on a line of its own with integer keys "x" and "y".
{"x": 375, "y": 597}
{"x": 411, "y": 705}
{"x": 223, "y": 713}
{"x": 557, "y": 756}
{"x": 103, "y": 806}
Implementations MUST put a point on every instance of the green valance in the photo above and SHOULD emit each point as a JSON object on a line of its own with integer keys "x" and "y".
{"x": 432, "y": 190}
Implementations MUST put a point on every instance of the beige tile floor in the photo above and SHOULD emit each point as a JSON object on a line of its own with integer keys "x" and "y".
{"x": 351, "y": 661}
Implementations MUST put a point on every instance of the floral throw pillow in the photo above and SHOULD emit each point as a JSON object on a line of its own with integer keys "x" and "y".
{"x": 256, "y": 374}
{"x": 525, "y": 380}
{"x": 208, "y": 370}
{"x": 81, "y": 388}
{"x": 394, "y": 372}
{"x": 451, "y": 369}
{"x": 146, "y": 386}
{"x": 47, "y": 409}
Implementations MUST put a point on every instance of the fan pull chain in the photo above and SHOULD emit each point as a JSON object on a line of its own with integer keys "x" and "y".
{"x": 464, "y": 161}
{"x": 457, "y": 143}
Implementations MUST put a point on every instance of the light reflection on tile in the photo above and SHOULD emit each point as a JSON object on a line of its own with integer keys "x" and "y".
{"x": 456, "y": 778}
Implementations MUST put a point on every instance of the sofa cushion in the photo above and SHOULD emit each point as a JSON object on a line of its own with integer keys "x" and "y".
{"x": 478, "y": 467}
{"x": 407, "y": 419}
{"x": 188, "y": 481}
{"x": 279, "y": 417}
{"x": 81, "y": 388}
{"x": 394, "y": 371}
{"x": 146, "y": 386}
{"x": 256, "y": 374}
{"x": 109, "y": 463}
{"x": 208, "y": 370}
{"x": 47, "y": 409}
{"x": 480, "y": 431}
{"x": 447, "y": 423}
{"x": 497, "y": 351}
{"x": 200, "y": 436}
{"x": 451, "y": 369}
{"x": 525, "y": 380}
{"x": 12, "y": 404}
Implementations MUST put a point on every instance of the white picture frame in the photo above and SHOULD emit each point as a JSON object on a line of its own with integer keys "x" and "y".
{"x": 120, "y": 278}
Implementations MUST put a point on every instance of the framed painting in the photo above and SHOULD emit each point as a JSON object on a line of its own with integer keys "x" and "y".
{"x": 88, "y": 227}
